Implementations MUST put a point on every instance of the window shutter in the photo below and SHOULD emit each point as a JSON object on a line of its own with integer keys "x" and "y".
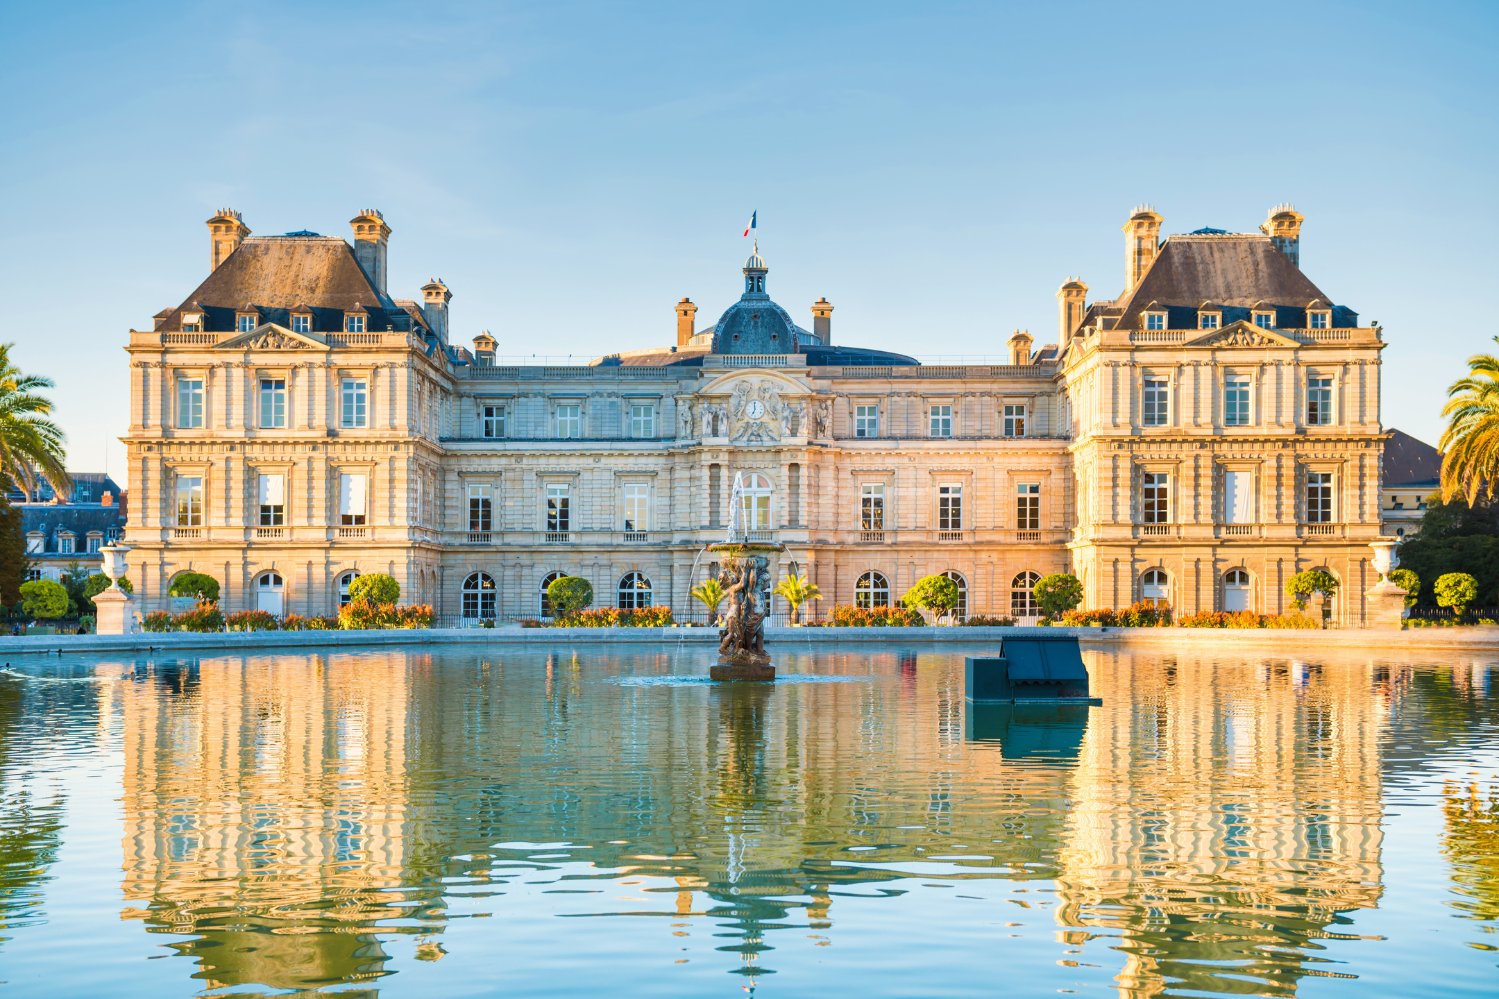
{"x": 272, "y": 490}
{"x": 351, "y": 494}
{"x": 615, "y": 427}
{"x": 1238, "y": 497}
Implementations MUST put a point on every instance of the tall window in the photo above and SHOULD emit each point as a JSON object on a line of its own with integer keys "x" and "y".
{"x": 941, "y": 417}
{"x": 558, "y": 517}
{"x": 1236, "y": 596}
{"x": 949, "y": 508}
{"x": 642, "y": 421}
{"x": 957, "y": 577}
{"x": 189, "y": 402}
{"x": 479, "y": 596}
{"x": 546, "y": 601}
{"x": 1156, "y": 499}
{"x": 1155, "y": 321}
{"x": 272, "y": 500}
{"x": 189, "y": 501}
{"x": 1028, "y": 506}
{"x": 872, "y": 590}
{"x": 353, "y": 324}
{"x": 1236, "y": 402}
{"x": 634, "y": 591}
{"x": 1023, "y": 595}
{"x": 1318, "y": 401}
{"x": 754, "y": 503}
{"x": 244, "y": 324}
{"x": 872, "y": 506}
{"x": 354, "y": 402}
{"x": 479, "y": 506}
{"x": 1014, "y": 421}
{"x": 1156, "y": 403}
{"x": 272, "y": 402}
{"x": 343, "y": 587}
{"x": 637, "y": 507}
{"x": 493, "y": 418}
{"x": 866, "y": 421}
{"x": 1155, "y": 587}
{"x": 1319, "y": 497}
{"x": 351, "y": 499}
{"x": 301, "y": 324}
{"x": 569, "y": 421}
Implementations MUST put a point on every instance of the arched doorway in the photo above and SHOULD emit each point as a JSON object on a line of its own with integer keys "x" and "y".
{"x": 1236, "y": 591}
{"x": 1155, "y": 588}
{"x": 479, "y": 597}
{"x": 269, "y": 591}
{"x": 343, "y": 586}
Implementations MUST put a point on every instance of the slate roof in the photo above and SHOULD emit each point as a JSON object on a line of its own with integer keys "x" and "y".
{"x": 80, "y": 518}
{"x": 1409, "y": 462}
{"x": 280, "y": 273}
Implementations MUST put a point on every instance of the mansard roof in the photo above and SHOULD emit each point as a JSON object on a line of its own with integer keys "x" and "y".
{"x": 283, "y": 274}
{"x": 1410, "y": 462}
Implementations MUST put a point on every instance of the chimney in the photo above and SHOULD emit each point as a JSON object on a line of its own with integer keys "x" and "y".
{"x": 435, "y": 299}
{"x": 370, "y": 237}
{"x": 1142, "y": 236}
{"x": 686, "y": 322}
{"x": 107, "y": 498}
{"x": 1020, "y": 347}
{"x": 225, "y": 232}
{"x": 1072, "y": 305}
{"x": 1283, "y": 226}
{"x": 484, "y": 346}
{"x": 822, "y": 321}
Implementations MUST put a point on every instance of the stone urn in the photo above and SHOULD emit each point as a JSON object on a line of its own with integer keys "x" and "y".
{"x": 113, "y": 607}
{"x": 1385, "y": 601}
{"x": 745, "y": 578}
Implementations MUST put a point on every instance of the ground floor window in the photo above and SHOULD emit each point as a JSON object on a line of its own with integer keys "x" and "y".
{"x": 1023, "y": 595}
{"x": 546, "y": 602}
{"x": 634, "y": 591}
{"x": 269, "y": 590}
{"x": 479, "y": 596}
{"x": 1155, "y": 587}
{"x": 1236, "y": 596}
{"x": 872, "y": 590}
{"x": 957, "y": 577}
{"x": 343, "y": 587}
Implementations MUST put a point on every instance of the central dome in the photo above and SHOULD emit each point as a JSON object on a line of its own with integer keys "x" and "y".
{"x": 755, "y": 324}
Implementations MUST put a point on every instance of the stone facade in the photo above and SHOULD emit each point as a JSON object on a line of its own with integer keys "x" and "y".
{"x": 292, "y": 424}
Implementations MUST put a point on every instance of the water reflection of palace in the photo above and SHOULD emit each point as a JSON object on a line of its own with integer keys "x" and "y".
{"x": 285, "y": 810}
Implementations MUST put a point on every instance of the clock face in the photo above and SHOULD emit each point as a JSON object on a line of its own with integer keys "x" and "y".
{"x": 756, "y": 409}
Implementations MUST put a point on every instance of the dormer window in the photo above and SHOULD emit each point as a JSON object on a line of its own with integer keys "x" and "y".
{"x": 353, "y": 324}
{"x": 301, "y": 324}
{"x": 1265, "y": 320}
{"x": 245, "y": 322}
{"x": 1209, "y": 320}
{"x": 1318, "y": 320}
{"x": 1155, "y": 320}
{"x": 192, "y": 322}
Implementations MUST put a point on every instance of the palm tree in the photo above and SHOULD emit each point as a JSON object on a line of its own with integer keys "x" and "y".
{"x": 797, "y": 591}
{"x": 1470, "y": 464}
{"x": 31, "y": 447}
{"x": 710, "y": 595}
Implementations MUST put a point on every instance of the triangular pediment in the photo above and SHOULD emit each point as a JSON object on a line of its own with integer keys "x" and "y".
{"x": 270, "y": 336}
{"x": 1241, "y": 334}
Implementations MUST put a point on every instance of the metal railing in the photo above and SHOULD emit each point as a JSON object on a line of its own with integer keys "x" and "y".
{"x": 1470, "y": 615}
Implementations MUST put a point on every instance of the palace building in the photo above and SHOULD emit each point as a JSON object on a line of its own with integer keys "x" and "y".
{"x": 1195, "y": 441}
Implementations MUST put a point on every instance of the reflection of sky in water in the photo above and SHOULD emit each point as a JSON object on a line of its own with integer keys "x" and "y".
{"x": 400, "y": 824}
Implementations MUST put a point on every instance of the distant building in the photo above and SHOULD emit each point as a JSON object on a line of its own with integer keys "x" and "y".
{"x": 59, "y": 533}
{"x": 1412, "y": 472}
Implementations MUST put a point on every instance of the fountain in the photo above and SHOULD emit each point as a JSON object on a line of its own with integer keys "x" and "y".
{"x": 745, "y": 578}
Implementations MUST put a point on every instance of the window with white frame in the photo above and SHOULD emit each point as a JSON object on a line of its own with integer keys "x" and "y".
{"x": 1319, "y": 497}
{"x": 192, "y": 322}
{"x": 189, "y": 402}
{"x": 32, "y": 575}
{"x": 559, "y": 516}
{"x": 1155, "y": 400}
{"x": 569, "y": 421}
{"x": 344, "y": 581}
{"x": 642, "y": 420}
{"x": 353, "y": 324}
{"x": 189, "y": 501}
{"x": 546, "y": 599}
{"x": 637, "y": 506}
{"x": 754, "y": 502}
{"x": 35, "y": 542}
{"x": 301, "y": 324}
{"x": 479, "y": 594}
{"x": 634, "y": 591}
{"x": 872, "y": 506}
{"x": 1264, "y": 320}
{"x": 950, "y": 508}
{"x": 872, "y": 590}
{"x": 245, "y": 323}
{"x": 1028, "y": 506}
{"x": 65, "y": 544}
{"x": 352, "y": 498}
{"x": 1155, "y": 320}
{"x": 355, "y": 396}
{"x": 480, "y": 506}
{"x": 1156, "y": 497}
{"x": 960, "y": 611}
{"x": 272, "y": 402}
{"x": 1318, "y": 320}
{"x": 1014, "y": 421}
{"x": 1023, "y": 595}
{"x": 272, "y": 500}
{"x": 941, "y": 421}
{"x": 94, "y": 544}
{"x": 1318, "y": 401}
{"x": 1236, "y": 401}
{"x": 866, "y": 421}
{"x": 493, "y": 418}
{"x": 1207, "y": 320}
{"x": 1155, "y": 587}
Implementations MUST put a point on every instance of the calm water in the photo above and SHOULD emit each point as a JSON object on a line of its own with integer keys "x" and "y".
{"x": 593, "y": 821}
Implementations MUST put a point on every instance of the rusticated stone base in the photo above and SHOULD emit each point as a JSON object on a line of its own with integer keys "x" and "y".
{"x": 743, "y": 667}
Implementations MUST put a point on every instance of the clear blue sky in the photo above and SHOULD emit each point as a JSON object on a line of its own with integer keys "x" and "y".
{"x": 572, "y": 169}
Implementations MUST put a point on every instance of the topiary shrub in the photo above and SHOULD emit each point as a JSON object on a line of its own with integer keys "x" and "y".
{"x": 932, "y": 597}
{"x": 568, "y": 595}
{"x": 1301, "y": 586}
{"x": 1456, "y": 590}
{"x": 44, "y": 598}
{"x": 1407, "y": 581}
{"x": 195, "y": 584}
{"x": 375, "y": 588}
{"x": 1058, "y": 593}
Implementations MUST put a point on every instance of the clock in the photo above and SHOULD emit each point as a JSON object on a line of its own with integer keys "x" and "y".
{"x": 755, "y": 409}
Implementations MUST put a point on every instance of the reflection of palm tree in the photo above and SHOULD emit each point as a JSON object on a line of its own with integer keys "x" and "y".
{"x": 1472, "y": 843}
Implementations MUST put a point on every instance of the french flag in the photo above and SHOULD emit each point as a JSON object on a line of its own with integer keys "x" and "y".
{"x": 752, "y": 222}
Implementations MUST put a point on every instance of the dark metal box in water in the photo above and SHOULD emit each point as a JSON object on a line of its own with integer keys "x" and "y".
{"x": 1029, "y": 669}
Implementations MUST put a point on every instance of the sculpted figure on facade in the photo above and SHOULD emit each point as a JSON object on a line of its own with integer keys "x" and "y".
{"x": 684, "y": 420}
{"x": 274, "y": 341}
{"x": 755, "y": 408}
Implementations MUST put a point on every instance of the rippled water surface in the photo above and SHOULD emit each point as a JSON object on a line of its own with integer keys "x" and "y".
{"x": 596, "y": 821}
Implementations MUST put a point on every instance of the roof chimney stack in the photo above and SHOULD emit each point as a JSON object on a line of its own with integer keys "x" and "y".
{"x": 822, "y": 321}
{"x": 225, "y": 232}
{"x": 370, "y": 237}
{"x": 435, "y": 299}
{"x": 1020, "y": 347}
{"x": 1072, "y": 305}
{"x": 1142, "y": 238}
{"x": 1283, "y": 226}
{"x": 686, "y": 322}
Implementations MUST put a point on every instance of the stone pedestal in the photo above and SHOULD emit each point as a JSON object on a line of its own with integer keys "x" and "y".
{"x": 115, "y": 611}
{"x": 743, "y": 666}
{"x": 1386, "y": 603}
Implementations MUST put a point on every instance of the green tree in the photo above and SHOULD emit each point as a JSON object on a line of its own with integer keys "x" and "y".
{"x": 931, "y": 597}
{"x": 1407, "y": 581}
{"x": 1470, "y": 444}
{"x": 44, "y": 598}
{"x": 14, "y": 561}
{"x": 375, "y": 588}
{"x": 1456, "y": 590}
{"x": 31, "y": 446}
{"x": 797, "y": 591}
{"x": 1301, "y": 586}
{"x": 74, "y": 580}
{"x": 1058, "y": 593}
{"x": 569, "y": 594}
{"x": 190, "y": 584}
{"x": 710, "y": 594}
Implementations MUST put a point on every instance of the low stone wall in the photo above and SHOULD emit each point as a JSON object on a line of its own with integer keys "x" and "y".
{"x": 787, "y": 639}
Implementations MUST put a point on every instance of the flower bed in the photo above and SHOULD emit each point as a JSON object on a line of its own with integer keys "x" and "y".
{"x": 614, "y": 617}
{"x": 1248, "y": 619}
{"x": 1141, "y": 615}
{"x": 874, "y": 617}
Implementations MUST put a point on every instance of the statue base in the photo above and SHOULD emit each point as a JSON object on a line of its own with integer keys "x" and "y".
{"x": 1385, "y": 603}
{"x": 742, "y": 666}
{"x": 113, "y": 612}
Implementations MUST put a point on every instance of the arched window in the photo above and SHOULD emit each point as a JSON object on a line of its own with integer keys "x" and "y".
{"x": 754, "y": 502}
{"x": 269, "y": 590}
{"x": 872, "y": 590}
{"x": 1023, "y": 596}
{"x": 1236, "y": 595}
{"x": 546, "y": 602}
{"x": 957, "y": 577}
{"x": 343, "y": 586}
{"x": 1155, "y": 587}
{"x": 634, "y": 591}
{"x": 478, "y": 596}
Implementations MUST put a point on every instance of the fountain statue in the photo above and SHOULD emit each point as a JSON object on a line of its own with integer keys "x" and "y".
{"x": 745, "y": 578}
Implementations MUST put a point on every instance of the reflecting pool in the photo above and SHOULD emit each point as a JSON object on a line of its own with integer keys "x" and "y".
{"x": 593, "y": 821}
